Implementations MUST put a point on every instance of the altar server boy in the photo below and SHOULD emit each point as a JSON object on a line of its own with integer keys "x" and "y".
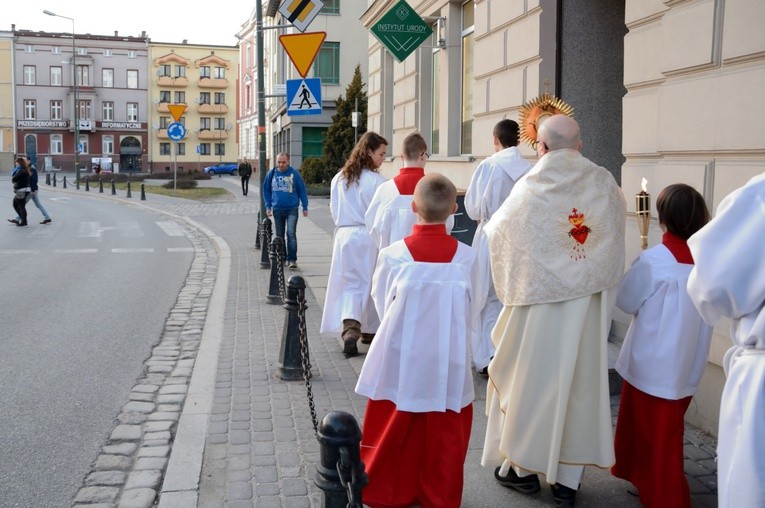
{"x": 417, "y": 372}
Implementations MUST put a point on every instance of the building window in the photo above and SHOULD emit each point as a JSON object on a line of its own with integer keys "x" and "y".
{"x": 180, "y": 71}
{"x": 56, "y": 50}
{"x": 56, "y": 110}
{"x": 204, "y": 123}
{"x": 107, "y": 111}
{"x": 29, "y": 48}
{"x": 468, "y": 43}
{"x": 220, "y": 123}
{"x": 30, "y": 75}
{"x": 131, "y": 54}
{"x": 204, "y": 97}
{"x": 83, "y": 75}
{"x": 327, "y": 64}
{"x": 204, "y": 71}
{"x": 164, "y": 70}
{"x": 107, "y": 78}
{"x": 56, "y": 76}
{"x": 331, "y": 7}
{"x": 180, "y": 97}
{"x": 313, "y": 139}
{"x": 220, "y": 73}
{"x": 180, "y": 148}
{"x": 220, "y": 149}
{"x": 247, "y": 95}
{"x": 164, "y": 122}
{"x": 164, "y": 96}
{"x": 86, "y": 110}
{"x": 84, "y": 144}
{"x": 107, "y": 52}
{"x": 81, "y": 51}
{"x": 220, "y": 98}
{"x": 132, "y": 78}
{"x": 30, "y": 109}
{"x": 164, "y": 148}
{"x": 107, "y": 144}
{"x": 132, "y": 111}
{"x": 204, "y": 149}
{"x": 56, "y": 144}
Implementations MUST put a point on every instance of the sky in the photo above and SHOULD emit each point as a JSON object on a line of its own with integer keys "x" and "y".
{"x": 163, "y": 20}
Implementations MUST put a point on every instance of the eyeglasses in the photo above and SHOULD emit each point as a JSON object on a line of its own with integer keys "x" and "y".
{"x": 426, "y": 154}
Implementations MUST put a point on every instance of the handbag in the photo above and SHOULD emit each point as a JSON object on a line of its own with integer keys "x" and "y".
{"x": 21, "y": 194}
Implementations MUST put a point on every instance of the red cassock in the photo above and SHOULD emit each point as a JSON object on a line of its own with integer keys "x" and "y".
{"x": 411, "y": 457}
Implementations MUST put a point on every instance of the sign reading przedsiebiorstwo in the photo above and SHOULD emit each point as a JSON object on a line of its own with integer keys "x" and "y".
{"x": 401, "y": 30}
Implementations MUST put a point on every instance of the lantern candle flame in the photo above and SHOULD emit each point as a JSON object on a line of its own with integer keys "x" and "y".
{"x": 643, "y": 213}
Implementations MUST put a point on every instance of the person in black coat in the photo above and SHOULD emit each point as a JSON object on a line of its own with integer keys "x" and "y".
{"x": 21, "y": 188}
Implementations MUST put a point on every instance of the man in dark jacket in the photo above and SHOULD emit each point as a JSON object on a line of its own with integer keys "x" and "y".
{"x": 245, "y": 172}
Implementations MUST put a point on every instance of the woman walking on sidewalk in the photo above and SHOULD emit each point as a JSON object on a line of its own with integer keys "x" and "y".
{"x": 21, "y": 177}
{"x": 348, "y": 306}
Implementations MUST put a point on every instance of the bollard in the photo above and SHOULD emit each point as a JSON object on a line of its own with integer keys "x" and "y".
{"x": 47, "y": 178}
{"x": 276, "y": 255}
{"x": 54, "y": 179}
{"x": 87, "y": 185}
{"x": 100, "y": 186}
{"x": 265, "y": 241}
{"x": 76, "y": 182}
{"x": 143, "y": 193}
{"x": 64, "y": 185}
{"x": 289, "y": 365}
{"x": 339, "y": 438}
{"x": 114, "y": 189}
{"x": 129, "y": 194}
{"x": 259, "y": 232}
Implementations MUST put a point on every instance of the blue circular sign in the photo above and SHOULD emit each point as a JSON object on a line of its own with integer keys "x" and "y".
{"x": 176, "y": 131}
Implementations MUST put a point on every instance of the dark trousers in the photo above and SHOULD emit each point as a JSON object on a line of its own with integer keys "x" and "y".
{"x": 20, "y": 205}
{"x": 245, "y": 184}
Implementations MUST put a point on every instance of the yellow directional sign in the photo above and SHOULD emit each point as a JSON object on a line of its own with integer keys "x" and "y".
{"x": 302, "y": 49}
{"x": 176, "y": 110}
{"x": 300, "y": 12}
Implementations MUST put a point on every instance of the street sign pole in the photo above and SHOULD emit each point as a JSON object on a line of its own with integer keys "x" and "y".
{"x": 175, "y": 167}
{"x": 261, "y": 103}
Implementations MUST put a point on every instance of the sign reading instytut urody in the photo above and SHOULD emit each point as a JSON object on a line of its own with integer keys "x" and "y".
{"x": 302, "y": 49}
{"x": 300, "y": 12}
{"x": 176, "y": 110}
{"x": 401, "y": 30}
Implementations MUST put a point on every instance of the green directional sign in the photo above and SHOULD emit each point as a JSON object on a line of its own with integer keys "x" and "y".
{"x": 401, "y": 30}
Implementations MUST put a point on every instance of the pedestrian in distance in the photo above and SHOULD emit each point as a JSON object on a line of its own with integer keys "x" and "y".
{"x": 21, "y": 177}
{"x": 417, "y": 372}
{"x": 245, "y": 172}
{"x": 557, "y": 255}
{"x": 489, "y": 187}
{"x": 728, "y": 280}
{"x": 349, "y": 308}
{"x": 283, "y": 192}
{"x": 663, "y": 356}
{"x": 33, "y": 184}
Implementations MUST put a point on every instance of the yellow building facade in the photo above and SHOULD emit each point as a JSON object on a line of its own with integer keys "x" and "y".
{"x": 7, "y": 117}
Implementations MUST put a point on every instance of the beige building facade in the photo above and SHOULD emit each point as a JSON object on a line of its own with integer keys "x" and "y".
{"x": 204, "y": 79}
{"x": 663, "y": 90}
{"x": 7, "y": 116}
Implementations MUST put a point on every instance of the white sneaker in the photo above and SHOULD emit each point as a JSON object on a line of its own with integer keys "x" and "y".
{"x": 293, "y": 265}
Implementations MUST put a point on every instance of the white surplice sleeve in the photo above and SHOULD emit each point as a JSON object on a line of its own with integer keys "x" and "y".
{"x": 636, "y": 286}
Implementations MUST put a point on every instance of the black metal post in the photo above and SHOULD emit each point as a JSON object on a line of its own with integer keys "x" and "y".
{"x": 339, "y": 438}
{"x": 100, "y": 185}
{"x": 289, "y": 366}
{"x": 47, "y": 178}
{"x": 77, "y": 178}
{"x": 275, "y": 255}
{"x": 265, "y": 242}
{"x": 87, "y": 185}
{"x": 114, "y": 189}
{"x": 54, "y": 179}
{"x": 257, "y": 235}
{"x": 143, "y": 193}
{"x": 64, "y": 182}
{"x": 129, "y": 194}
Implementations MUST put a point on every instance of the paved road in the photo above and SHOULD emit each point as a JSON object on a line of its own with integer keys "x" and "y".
{"x": 83, "y": 301}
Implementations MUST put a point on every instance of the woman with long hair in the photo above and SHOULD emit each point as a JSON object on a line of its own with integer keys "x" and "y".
{"x": 348, "y": 306}
{"x": 21, "y": 188}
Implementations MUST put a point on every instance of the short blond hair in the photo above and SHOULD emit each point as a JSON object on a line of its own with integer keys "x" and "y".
{"x": 435, "y": 197}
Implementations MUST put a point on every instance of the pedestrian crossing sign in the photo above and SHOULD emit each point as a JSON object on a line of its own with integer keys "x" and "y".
{"x": 304, "y": 96}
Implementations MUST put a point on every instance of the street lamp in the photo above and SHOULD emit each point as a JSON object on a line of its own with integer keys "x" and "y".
{"x": 76, "y": 105}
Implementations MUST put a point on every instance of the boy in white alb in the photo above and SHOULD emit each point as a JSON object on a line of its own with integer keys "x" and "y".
{"x": 417, "y": 372}
{"x": 663, "y": 356}
{"x": 491, "y": 184}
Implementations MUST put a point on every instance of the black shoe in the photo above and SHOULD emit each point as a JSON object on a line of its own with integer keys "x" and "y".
{"x": 21, "y": 224}
{"x": 564, "y": 496}
{"x": 366, "y": 338}
{"x": 484, "y": 372}
{"x": 526, "y": 485}
{"x": 14, "y": 221}
{"x": 350, "y": 348}
{"x": 46, "y": 221}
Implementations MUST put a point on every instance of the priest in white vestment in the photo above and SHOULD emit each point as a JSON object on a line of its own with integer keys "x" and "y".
{"x": 729, "y": 280}
{"x": 557, "y": 254}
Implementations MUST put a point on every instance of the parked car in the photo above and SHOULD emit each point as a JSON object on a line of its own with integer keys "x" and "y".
{"x": 221, "y": 167}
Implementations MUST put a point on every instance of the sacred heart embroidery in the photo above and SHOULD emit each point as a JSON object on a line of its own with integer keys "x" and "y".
{"x": 579, "y": 233}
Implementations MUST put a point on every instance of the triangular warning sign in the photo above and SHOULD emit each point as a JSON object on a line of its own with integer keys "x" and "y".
{"x": 302, "y": 49}
{"x": 304, "y": 99}
{"x": 176, "y": 110}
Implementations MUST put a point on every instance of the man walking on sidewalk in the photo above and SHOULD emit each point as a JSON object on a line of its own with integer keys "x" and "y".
{"x": 245, "y": 172}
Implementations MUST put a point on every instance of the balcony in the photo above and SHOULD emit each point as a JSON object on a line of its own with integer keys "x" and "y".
{"x": 169, "y": 81}
{"x": 213, "y": 109}
{"x": 162, "y": 106}
{"x": 207, "y": 134}
{"x": 213, "y": 83}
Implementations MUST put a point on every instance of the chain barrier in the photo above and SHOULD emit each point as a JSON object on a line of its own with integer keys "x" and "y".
{"x": 344, "y": 470}
{"x": 280, "y": 260}
{"x": 305, "y": 359}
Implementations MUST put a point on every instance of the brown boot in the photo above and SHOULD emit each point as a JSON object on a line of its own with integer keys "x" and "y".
{"x": 366, "y": 338}
{"x": 351, "y": 335}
